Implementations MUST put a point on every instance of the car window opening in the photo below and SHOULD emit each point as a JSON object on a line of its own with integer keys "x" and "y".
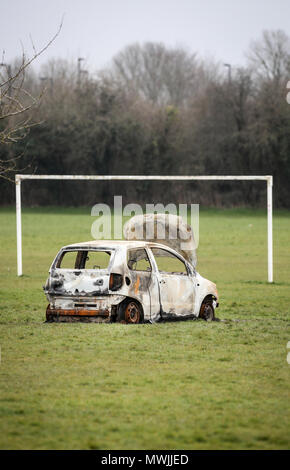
{"x": 84, "y": 259}
{"x": 138, "y": 260}
{"x": 168, "y": 263}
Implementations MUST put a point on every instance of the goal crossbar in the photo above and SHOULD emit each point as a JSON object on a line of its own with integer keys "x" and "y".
{"x": 267, "y": 178}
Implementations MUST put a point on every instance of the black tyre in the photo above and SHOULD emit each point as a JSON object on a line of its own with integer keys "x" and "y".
{"x": 207, "y": 311}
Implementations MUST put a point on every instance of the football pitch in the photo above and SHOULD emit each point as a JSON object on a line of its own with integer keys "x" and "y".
{"x": 175, "y": 385}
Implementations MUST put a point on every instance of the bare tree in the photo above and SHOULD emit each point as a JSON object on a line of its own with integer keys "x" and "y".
{"x": 270, "y": 56}
{"x": 157, "y": 73}
{"x": 15, "y": 103}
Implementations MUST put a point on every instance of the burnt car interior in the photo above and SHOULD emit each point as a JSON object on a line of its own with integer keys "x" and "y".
{"x": 138, "y": 260}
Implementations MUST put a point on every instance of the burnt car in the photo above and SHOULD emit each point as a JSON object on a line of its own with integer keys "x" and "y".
{"x": 127, "y": 282}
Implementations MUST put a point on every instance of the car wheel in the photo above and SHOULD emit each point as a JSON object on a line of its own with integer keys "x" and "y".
{"x": 207, "y": 311}
{"x": 130, "y": 312}
{"x": 49, "y": 317}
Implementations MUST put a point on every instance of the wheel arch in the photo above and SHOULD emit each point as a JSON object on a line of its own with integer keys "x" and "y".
{"x": 209, "y": 297}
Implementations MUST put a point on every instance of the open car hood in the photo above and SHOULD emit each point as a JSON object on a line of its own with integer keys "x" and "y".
{"x": 167, "y": 229}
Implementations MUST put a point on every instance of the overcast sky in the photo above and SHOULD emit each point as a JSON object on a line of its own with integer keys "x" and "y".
{"x": 98, "y": 29}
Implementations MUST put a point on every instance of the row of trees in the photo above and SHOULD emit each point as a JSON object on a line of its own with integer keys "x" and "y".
{"x": 156, "y": 110}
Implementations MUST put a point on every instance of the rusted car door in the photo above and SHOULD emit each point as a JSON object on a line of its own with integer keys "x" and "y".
{"x": 143, "y": 285}
{"x": 176, "y": 286}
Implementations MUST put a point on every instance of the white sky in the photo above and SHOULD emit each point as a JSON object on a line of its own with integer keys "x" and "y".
{"x": 98, "y": 29}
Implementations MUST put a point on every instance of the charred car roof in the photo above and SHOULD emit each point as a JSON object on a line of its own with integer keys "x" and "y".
{"x": 114, "y": 244}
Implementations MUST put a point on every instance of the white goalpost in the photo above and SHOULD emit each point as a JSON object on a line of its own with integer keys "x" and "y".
{"x": 267, "y": 178}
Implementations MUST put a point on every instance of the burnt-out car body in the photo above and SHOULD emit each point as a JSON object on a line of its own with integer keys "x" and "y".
{"x": 126, "y": 281}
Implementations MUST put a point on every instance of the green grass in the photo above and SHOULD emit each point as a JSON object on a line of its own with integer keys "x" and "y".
{"x": 181, "y": 385}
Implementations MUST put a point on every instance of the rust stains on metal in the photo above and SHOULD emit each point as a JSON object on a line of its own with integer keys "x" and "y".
{"x": 136, "y": 285}
{"x": 80, "y": 312}
{"x": 132, "y": 313}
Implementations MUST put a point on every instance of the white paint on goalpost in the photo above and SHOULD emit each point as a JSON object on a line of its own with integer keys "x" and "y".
{"x": 270, "y": 226}
{"x": 268, "y": 178}
{"x": 18, "y": 224}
